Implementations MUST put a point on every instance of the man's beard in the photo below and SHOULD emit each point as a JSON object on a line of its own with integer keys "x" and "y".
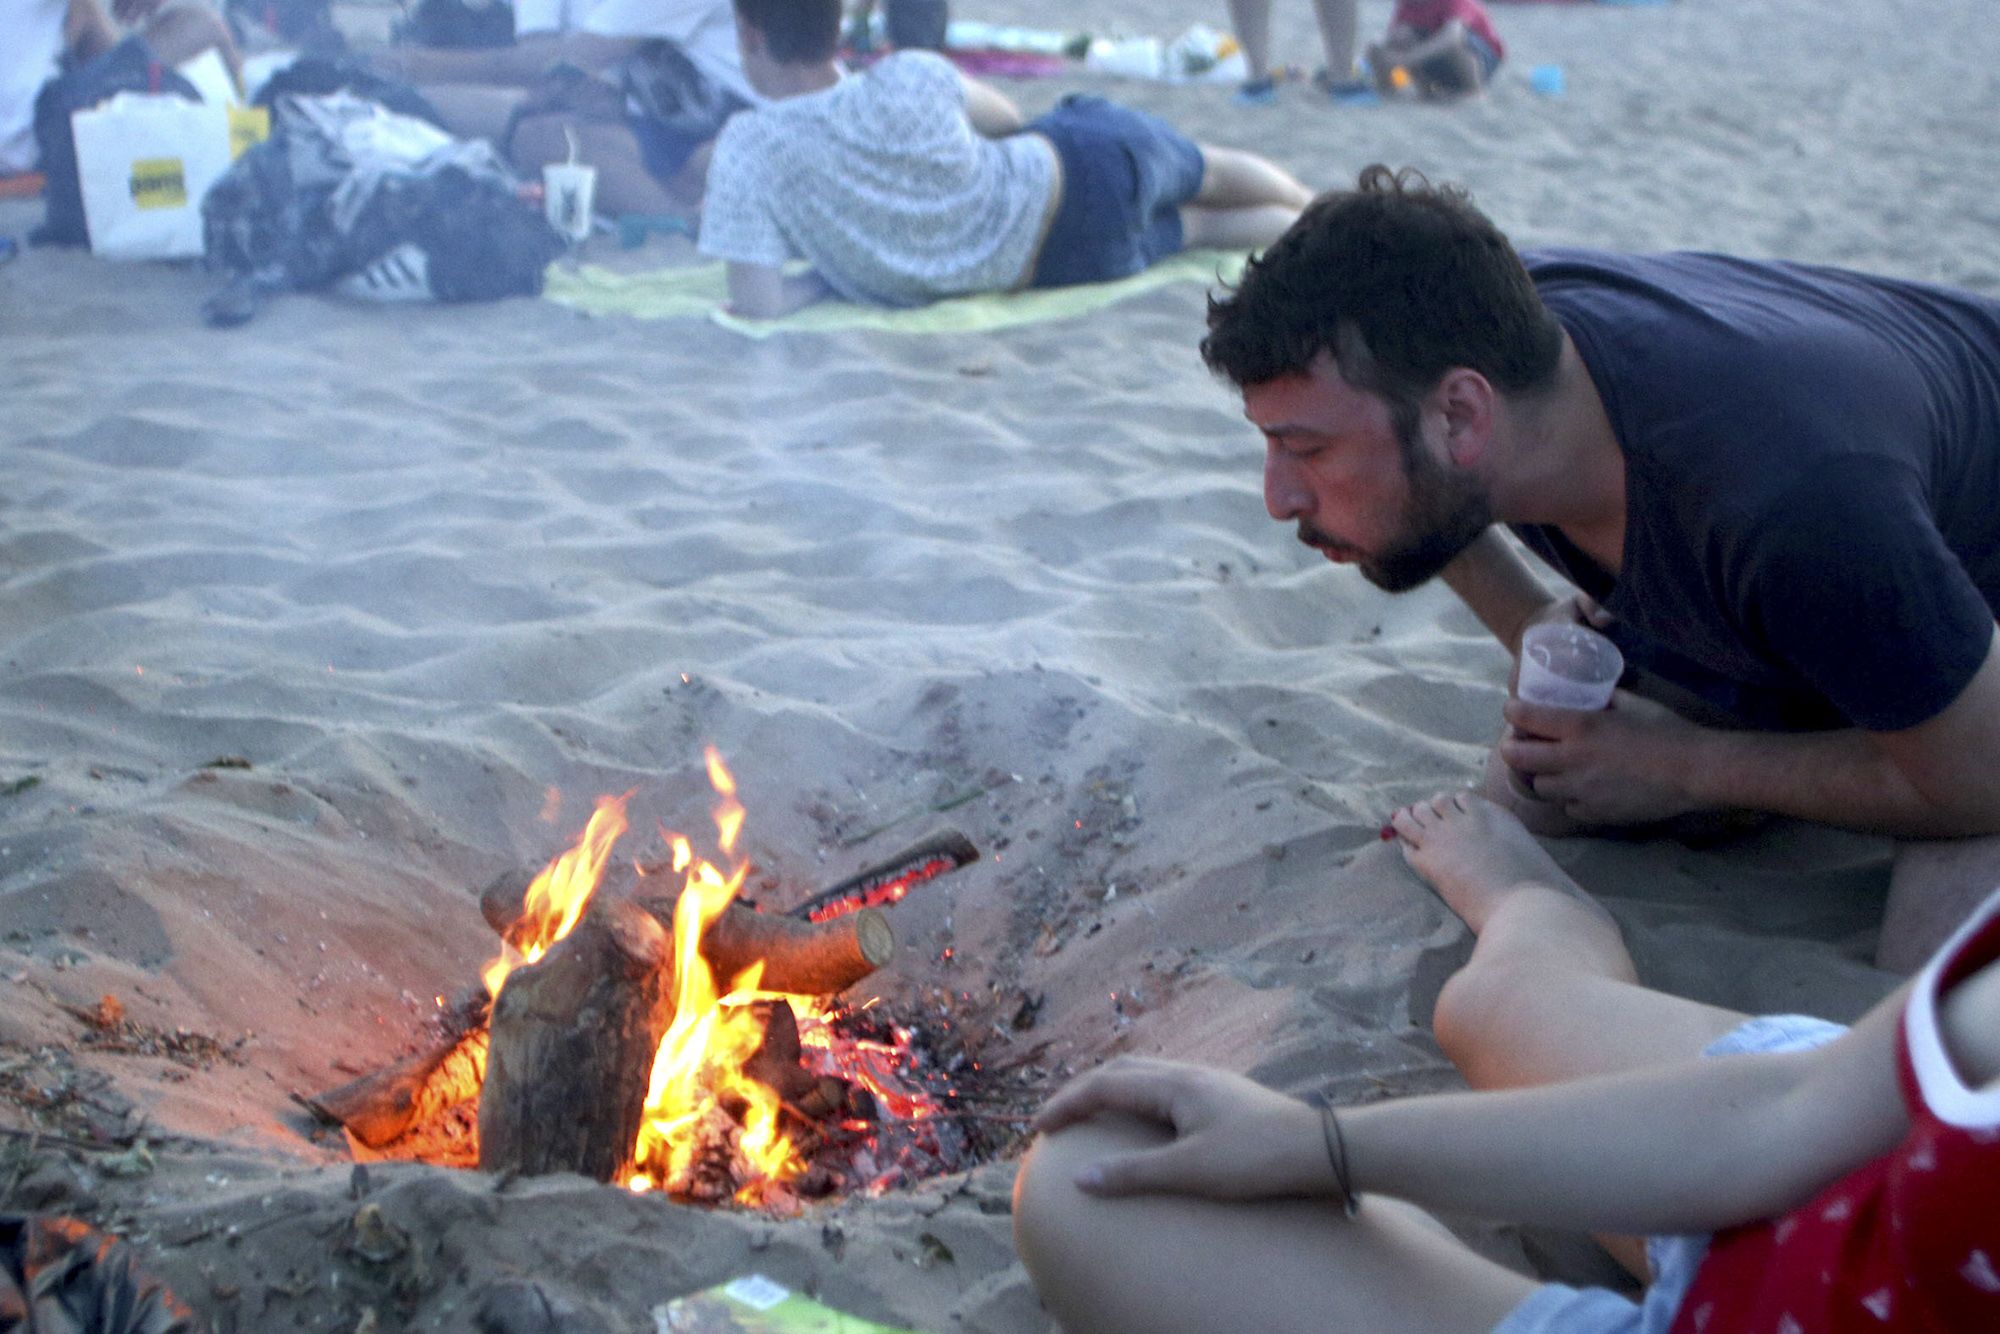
{"x": 1445, "y": 513}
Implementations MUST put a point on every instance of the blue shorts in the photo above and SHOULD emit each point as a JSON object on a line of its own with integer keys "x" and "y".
{"x": 1125, "y": 175}
{"x": 1556, "y": 1308}
{"x": 663, "y": 151}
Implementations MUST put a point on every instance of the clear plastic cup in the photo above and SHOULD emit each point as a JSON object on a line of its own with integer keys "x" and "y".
{"x": 1568, "y": 667}
{"x": 568, "y": 190}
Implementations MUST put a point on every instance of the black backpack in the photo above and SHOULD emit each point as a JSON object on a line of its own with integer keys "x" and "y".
{"x": 457, "y": 23}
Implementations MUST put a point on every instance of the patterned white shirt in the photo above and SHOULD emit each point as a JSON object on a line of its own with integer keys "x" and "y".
{"x": 882, "y": 185}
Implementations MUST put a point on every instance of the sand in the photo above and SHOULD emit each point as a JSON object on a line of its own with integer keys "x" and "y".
{"x": 309, "y": 629}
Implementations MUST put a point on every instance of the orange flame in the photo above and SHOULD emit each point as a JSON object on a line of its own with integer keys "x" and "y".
{"x": 699, "y": 1065}
{"x": 700, "y": 1060}
{"x": 558, "y": 896}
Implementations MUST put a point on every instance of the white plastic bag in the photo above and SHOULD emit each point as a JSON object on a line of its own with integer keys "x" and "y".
{"x": 144, "y": 162}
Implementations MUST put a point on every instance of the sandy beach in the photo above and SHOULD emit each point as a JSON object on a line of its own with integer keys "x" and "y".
{"x": 311, "y": 628}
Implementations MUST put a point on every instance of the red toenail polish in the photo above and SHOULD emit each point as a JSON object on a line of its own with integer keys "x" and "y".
{"x": 1388, "y": 833}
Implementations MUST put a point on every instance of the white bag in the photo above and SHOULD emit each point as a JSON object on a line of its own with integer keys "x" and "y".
{"x": 144, "y": 162}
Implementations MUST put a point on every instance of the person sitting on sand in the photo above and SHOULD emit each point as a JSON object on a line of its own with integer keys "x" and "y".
{"x": 42, "y": 38}
{"x": 1776, "y": 485}
{"x": 1788, "y": 1174}
{"x": 907, "y": 182}
{"x": 1446, "y": 48}
{"x": 644, "y": 165}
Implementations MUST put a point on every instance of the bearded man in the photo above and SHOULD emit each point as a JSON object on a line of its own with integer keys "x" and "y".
{"x": 1775, "y": 486}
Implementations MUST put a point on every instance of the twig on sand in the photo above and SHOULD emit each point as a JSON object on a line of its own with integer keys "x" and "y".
{"x": 950, "y": 803}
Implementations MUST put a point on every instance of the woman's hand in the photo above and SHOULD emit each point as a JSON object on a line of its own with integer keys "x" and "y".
{"x": 1233, "y": 1139}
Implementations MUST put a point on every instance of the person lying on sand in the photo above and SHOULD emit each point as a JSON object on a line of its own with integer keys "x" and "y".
{"x": 1777, "y": 485}
{"x": 40, "y": 39}
{"x": 1788, "y": 1174}
{"x": 907, "y": 182}
{"x": 645, "y": 164}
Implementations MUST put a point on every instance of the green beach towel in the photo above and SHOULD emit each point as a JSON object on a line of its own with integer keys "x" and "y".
{"x": 698, "y": 291}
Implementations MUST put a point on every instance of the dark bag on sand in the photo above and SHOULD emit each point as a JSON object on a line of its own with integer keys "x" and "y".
{"x": 60, "y": 1274}
{"x": 317, "y": 76}
{"x": 129, "y": 67}
{"x": 324, "y": 202}
{"x": 460, "y": 24}
{"x": 302, "y": 25}
{"x": 663, "y": 85}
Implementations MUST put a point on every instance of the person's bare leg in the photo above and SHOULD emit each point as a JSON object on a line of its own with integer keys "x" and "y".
{"x": 1245, "y": 201}
{"x": 1165, "y": 1264}
{"x": 1550, "y": 992}
{"x": 1234, "y": 178}
{"x": 179, "y": 34}
{"x": 1933, "y": 888}
{"x": 1504, "y": 788}
{"x": 1338, "y": 22}
{"x": 473, "y": 110}
{"x": 1235, "y": 228}
{"x": 1251, "y": 20}
{"x": 623, "y": 183}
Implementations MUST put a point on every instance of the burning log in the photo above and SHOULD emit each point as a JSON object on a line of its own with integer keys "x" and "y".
{"x": 572, "y": 1047}
{"x": 888, "y": 881}
{"x": 378, "y": 1108}
{"x": 805, "y": 958}
{"x": 569, "y": 1053}
{"x": 779, "y": 1065}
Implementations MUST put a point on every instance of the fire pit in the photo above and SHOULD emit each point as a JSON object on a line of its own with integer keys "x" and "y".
{"x": 644, "y": 1024}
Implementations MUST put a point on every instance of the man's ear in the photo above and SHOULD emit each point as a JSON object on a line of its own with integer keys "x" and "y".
{"x": 1465, "y": 399}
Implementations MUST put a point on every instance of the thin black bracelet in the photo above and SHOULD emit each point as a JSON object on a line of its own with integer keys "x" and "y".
{"x": 1336, "y": 1154}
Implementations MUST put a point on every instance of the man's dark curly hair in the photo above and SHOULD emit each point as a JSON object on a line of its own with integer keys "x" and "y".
{"x": 1401, "y": 281}
{"x": 796, "y": 32}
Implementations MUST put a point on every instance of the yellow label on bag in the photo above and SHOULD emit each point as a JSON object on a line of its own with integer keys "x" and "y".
{"x": 247, "y": 126}
{"x": 159, "y": 182}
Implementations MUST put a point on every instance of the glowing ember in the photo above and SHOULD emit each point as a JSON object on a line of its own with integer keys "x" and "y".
{"x": 882, "y": 893}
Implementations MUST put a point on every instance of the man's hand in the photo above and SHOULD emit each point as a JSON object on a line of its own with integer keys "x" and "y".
{"x": 1615, "y": 766}
{"x": 1233, "y": 1139}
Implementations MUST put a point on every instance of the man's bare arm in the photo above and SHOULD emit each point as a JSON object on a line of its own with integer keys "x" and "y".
{"x": 1637, "y": 762}
{"x": 1499, "y": 587}
{"x": 1939, "y": 779}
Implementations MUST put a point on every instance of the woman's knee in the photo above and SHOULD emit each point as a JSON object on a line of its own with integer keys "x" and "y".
{"x": 180, "y": 33}
{"x": 1473, "y": 1007}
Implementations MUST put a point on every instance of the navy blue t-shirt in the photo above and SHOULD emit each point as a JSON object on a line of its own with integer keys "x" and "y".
{"x": 1812, "y": 480}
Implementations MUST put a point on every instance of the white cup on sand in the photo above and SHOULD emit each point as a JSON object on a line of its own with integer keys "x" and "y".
{"x": 568, "y": 189}
{"x": 1568, "y": 667}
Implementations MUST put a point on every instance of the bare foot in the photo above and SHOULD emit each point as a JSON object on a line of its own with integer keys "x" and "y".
{"x": 1506, "y": 789}
{"x": 1475, "y": 854}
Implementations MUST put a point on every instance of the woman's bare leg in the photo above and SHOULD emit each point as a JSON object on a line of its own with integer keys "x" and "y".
{"x": 1166, "y": 1264}
{"x": 1933, "y": 888}
{"x": 1550, "y": 992}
